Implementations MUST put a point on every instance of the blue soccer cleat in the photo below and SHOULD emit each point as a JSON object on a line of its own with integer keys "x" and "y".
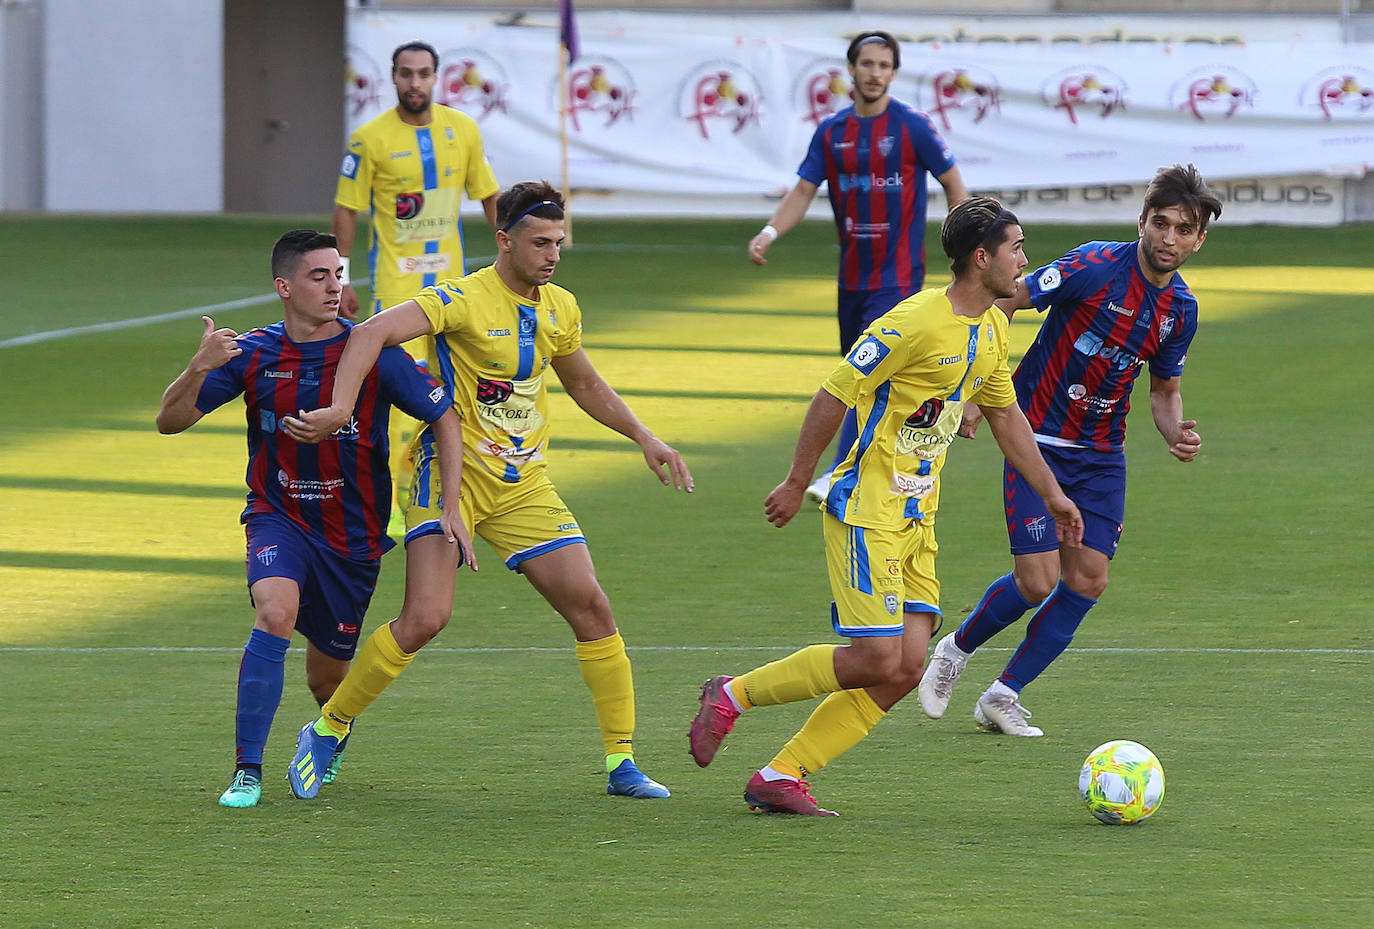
{"x": 314, "y": 752}
{"x": 628, "y": 781}
{"x": 331, "y": 773}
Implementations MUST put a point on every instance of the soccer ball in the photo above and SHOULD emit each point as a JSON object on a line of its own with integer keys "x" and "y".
{"x": 1122, "y": 782}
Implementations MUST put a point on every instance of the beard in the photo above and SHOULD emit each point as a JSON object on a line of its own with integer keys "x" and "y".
{"x": 410, "y": 107}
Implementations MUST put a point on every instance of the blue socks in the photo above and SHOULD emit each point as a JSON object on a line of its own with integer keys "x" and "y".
{"x": 1048, "y": 633}
{"x": 261, "y": 675}
{"x": 1002, "y": 605}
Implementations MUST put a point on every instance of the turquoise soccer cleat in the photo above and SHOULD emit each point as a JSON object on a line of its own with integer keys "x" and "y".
{"x": 243, "y": 791}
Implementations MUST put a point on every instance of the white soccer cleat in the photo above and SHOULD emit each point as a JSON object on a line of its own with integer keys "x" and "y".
{"x": 943, "y": 667}
{"x": 819, "y": 489}
{"x": 999, "y": 709}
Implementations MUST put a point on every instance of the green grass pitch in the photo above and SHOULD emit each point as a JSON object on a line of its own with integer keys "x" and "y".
{"x": 1234, "y": 639}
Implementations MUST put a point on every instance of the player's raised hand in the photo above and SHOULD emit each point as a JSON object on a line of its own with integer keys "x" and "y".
{"x": 217, "y": 346}
{"x": 348, "y": 303}
{"x": 1186, "y": 443}
{"x": 316, "y": 425}
{"x": 667, "y": 464}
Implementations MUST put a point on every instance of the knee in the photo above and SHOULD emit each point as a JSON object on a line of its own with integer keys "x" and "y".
{"x": 417, "y": 625}
{"x": 1090, "y": 584}
{"x": 279, "y": 621}
{"x": 589, "y": 614}
{"x": 1035, "y": 586}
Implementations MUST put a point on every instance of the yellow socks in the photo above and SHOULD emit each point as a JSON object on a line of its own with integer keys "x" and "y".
{"x": 838, "y": 724}
{"x": 379, "y": 662}
{"x": 800, "y": 676}
{"x": 606, "y": 670}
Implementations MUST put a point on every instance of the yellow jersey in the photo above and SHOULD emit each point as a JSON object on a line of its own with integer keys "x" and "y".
{"x": 411, "y": 179}
{"x": 908, "y": 378}
{"x": 491, "y": 349}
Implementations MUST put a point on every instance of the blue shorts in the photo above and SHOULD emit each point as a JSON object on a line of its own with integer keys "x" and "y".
{"x": 1095, "y": 481}
{"x": 335, "y": 591}
{"x": 858, "y": 309}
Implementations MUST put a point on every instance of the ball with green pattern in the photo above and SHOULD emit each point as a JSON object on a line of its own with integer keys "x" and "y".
{"x": 1122, "y": 782}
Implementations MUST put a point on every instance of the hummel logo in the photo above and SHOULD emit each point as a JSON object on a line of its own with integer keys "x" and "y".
{"x": 1124, "y": 311}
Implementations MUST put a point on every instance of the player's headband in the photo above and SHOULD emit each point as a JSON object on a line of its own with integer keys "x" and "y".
{"x": 527, "y": 211}
{"x": 872, "y": 40}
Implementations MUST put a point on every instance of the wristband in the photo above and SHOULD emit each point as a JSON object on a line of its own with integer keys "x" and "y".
{"x": 769, "y": 231}
{"x": 343, "y": 279}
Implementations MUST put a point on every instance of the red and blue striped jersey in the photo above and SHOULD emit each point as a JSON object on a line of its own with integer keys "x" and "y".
{"x": 340, "y": 490}
{"x": 875, "y": 170}
{"x": 1103, "y": 323}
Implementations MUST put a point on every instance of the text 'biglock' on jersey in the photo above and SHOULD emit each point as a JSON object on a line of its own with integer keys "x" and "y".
{"x": 1103, "y": 322}
{"x": 875, "y": 170}
{"x": 491, "y": 350}
{"x": 908, "y": 378}
{"x": 338, "y": 491}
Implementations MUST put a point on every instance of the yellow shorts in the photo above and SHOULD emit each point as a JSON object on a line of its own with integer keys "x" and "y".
{"x": 877, "y": 575}
{"x": 521, "y": 521}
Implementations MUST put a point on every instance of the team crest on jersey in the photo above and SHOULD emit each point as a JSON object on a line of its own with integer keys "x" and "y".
{"x": 1050, "y": 278}
{"x": 1166, "y": 327}
{"x": 409, "y": 206}
{"x": 891, "y": 604}
{"x": 1036, "y": 527}
{"x": 885, "y": 145}
{"x": 349, "y": 168}
{"x": 493, "y": 392}
{"x": 894, "y": 567}
{"x": 266, "y": 555}
{"x": 267, "y": 420}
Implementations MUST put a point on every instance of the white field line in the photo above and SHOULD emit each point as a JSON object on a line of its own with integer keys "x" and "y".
{"x": 1105, "y": 650}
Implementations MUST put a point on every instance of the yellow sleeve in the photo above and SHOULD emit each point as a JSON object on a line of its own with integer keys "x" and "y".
{"x": 480, "y": 179}
{"x": 444, "y": 305}
{"x": 570, "y": 339}
{"x": 998, "y": 391}
{"x": 869, "y": 364}
{"x": 354, "y": 191}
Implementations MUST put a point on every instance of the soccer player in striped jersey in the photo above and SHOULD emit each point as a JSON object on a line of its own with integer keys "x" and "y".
{"x": 409, "y": 168}
{"x": 498, "y": 333}
{"x": 873, "y": 158}
{"x": 908, "y": 377}
{"x": 316, "y": 514}
{"x": 1112, "y": 309}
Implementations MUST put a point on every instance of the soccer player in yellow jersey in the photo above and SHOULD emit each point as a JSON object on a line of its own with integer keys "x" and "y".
{"x": 908, "y": 378}
{"x": 496, "y": 334}
{"x": 409, "y": 168}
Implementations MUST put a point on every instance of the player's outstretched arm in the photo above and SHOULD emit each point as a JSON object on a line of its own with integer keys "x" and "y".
{"x": 822, "y": 421}
{"x": 1166, "y": 405}
{"x": 179, "y": 411}
{"x": 400, "y": 323}
{"x": 448, "y": 436}
{"x": 789, "y": 212}
{"x": 1017, "y": 441}
{"x": 596, "y": 398}
{"x": 953, "y": 183}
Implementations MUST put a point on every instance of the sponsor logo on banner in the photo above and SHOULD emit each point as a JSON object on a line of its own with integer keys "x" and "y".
{"x": 1214, "y": 93}
{"x": 363, "y": 83}
{"x": 1344, "y": 92}
{"x": 720, "y": 93}
{"x": 1091, "y": 90}
{"x": 600, "y": 87}
{"x": 472, "y": 81}
{"x": 821, "y": 91}
{"x": 972, "y": 92}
